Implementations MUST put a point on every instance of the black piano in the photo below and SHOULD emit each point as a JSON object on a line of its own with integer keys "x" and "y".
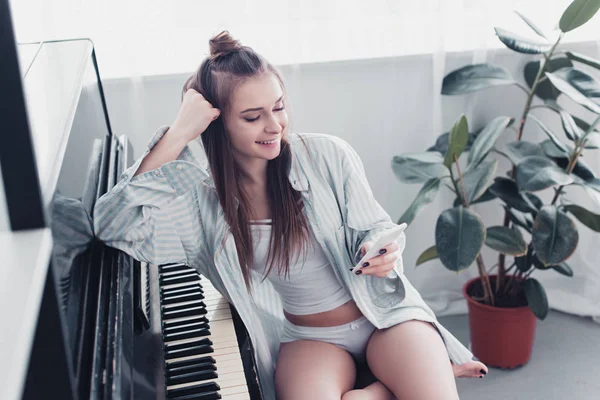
{"x": 94, "y": 323}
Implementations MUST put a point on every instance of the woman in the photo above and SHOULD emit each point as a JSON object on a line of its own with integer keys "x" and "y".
{"x": 276, "y": 221}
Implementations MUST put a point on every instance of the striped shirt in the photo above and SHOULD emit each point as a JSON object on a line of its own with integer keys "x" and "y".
{"x": 172, "y": 214}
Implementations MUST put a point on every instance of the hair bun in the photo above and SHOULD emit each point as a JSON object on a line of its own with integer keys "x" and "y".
{"x": 223, "y": 44}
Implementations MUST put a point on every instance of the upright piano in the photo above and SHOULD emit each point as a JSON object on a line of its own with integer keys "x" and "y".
{"x": 98, "y": 324}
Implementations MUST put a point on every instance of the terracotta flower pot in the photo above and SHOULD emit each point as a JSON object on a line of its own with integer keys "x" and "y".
{"x": 500, "y": 337}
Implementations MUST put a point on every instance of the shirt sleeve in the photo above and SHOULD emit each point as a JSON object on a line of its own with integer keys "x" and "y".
{"x": 365, "y": 217}
{"x": 136, "y": 216}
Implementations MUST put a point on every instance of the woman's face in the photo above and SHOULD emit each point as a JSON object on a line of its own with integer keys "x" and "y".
{"x": 257, "y": 115}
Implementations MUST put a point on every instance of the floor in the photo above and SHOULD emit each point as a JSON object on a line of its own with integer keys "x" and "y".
{"x": 565, "y": 363}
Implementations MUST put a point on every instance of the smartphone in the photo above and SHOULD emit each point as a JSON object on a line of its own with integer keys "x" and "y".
{"x": 385, "y": 239}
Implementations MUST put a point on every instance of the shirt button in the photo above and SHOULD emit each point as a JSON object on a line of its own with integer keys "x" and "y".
{"x": 179, "y": 166}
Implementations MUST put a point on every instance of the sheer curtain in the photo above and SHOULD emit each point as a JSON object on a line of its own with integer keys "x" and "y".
{"x": 138, "y": 39}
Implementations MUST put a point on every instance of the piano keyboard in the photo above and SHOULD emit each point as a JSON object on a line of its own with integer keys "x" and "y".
{"x": 201, "y": 353}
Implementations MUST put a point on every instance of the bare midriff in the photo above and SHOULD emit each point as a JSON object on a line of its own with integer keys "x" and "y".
{"x": 343, "y": 314}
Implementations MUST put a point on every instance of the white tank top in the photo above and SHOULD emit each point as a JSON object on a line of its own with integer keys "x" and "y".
{"x": 311, "y": 285}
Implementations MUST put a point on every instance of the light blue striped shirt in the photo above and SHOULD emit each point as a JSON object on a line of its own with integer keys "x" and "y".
{"x": 172, "y": 214}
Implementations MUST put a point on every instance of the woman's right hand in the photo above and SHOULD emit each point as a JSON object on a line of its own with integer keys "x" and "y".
{"x": 194, "y": 116}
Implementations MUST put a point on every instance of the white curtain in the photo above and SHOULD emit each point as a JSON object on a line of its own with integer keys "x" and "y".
{"x": 138, "y": 39}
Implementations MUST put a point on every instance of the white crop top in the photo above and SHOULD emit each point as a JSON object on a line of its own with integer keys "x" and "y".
{"x": 311, "y": 285}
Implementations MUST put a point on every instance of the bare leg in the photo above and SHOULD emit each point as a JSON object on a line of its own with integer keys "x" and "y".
{"x": 310, "y": 369}
{"x": 412, "y": 361}
{"x": 375, "y": 391}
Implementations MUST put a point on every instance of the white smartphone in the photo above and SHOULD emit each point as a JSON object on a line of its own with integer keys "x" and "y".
{"x": 383, "y": 241}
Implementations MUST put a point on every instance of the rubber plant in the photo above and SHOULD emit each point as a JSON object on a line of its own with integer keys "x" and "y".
{"x": 534, "y": 236}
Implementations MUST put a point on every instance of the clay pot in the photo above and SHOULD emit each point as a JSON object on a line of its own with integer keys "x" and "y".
{"x": 500, "y": 337}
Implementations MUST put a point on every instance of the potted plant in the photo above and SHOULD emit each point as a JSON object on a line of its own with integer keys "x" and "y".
{"x": 503, "y": 306}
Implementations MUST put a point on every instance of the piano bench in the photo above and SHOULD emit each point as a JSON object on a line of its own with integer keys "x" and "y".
{"x": 364, "y": 376}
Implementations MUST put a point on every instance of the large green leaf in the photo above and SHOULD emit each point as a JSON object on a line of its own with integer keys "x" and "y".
{"x": 425, "y": 196}
{"x": 554, "y": 235}
{"x": 532, "y": 25}
{"x": 545, "y": 89}
{"x": 428, "y": 255}
{"x": 486, "y": 139}
{"x": 578, "y": 86}
{"x": 486, "y": 196}
{"x": 519, "y": 149}
{"x": 419, "y": 167}
{"x": 457, "y": 141}
{"x": 592, "y": 62}
{"x": 525, "y": 262}
{"x": 537, "y": 173}
{"x": 549, "y": 133}
{"x": 563, "y": 268}
{"x": 572, "y": 130}
{"x": 552, "y": 151}
{"x": 586, "y": 217}
{"x": 459, "y": 236}
{"x": 477, "y": 180}
{"x": 581, "y": 170}
{"x": 441, "y": 143}
{"x": 578, "y": 13}
{"x": 505, "y": 240}
{"x": 507, "y": 190}
{"x": 472, "y": 78}
{"x": 536, "y": 298}
{"x": 522, "y": 44}
{"x": 593, "y": 137}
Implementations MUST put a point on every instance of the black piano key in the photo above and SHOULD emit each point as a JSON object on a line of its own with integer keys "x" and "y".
{"x": 177, "y": 273}
{"x": 173, "y": 267}
{"x": 175, "y": 346}
{"x": 194, "y": 287}
{"x": 189, "y": 334}
{"x": 189, "y": 351}
{"x": 208, "y": 388}
{"x": 182, "y": 298}
{"x": 173, "y": 307}
{"x": 195, "y": 376}
{"x": 198, "y": 366}
{"x": 190, "y": 277}
{"x": 192, "y": 320}
{"x": 186, "y": 325}
{"x": 186, "y": 312}
{"x": 198, "y": 396}
{"x": 193, "y": 361}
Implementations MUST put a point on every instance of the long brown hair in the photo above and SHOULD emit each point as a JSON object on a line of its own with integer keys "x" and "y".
{"x": 229, "y": 65}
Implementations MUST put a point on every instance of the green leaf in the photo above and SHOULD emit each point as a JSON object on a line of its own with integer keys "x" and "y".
{"x": 427, "y": 255}
{"x": 477, "y": 180}
{"x": 581, "y": 170}
{"x": 507, "y": 190}
{"x": 486, "y": 196}
{"x": 593, "y": 137}
{"x": 549, "y": 133}
{"x": 552, "y": 151}
{"x": 586, "y": 217}
{"x": 525, "y": 262}
{"x": 536, "y": 298}
{"x": 441, "y": 143}
{"x": 457, "y": 141}
{"x": 572, "y": 130}
{"x": 533, "y": 26}
{"x": 472, "y": 78}
{"x": 419, "y": 167}
{"x": 577, "y": 85}
{"x": 505, "y": 240}
{"x": 592, "y": 62}
{"x": 519, "y": 149}
{"x": 459, "y": 236}
{"x": 578, "y": 13}
{"x": 537, "y": 173}
{"x": 563, "y": 268}
{"x": 517, "y": 219}
{"x": 522, "y": 44}
{"x": 554, "y": 236}
{"x": 425, "y": 196}
{"x": 486, "y": 139}
{"x": 545, "y": 89}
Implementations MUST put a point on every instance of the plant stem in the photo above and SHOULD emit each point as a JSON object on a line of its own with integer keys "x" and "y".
{"x": 572, "y": 162}
{"x": 536, "y": 82}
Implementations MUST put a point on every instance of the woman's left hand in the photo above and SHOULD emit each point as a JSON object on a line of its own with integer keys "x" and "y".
{"x": 380, "y": 265}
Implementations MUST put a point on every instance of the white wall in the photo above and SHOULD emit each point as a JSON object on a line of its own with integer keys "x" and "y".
{"x": 382, "y": 107}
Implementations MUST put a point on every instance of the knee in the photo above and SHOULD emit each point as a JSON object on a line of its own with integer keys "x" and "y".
{"x": 357, "y": 394}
